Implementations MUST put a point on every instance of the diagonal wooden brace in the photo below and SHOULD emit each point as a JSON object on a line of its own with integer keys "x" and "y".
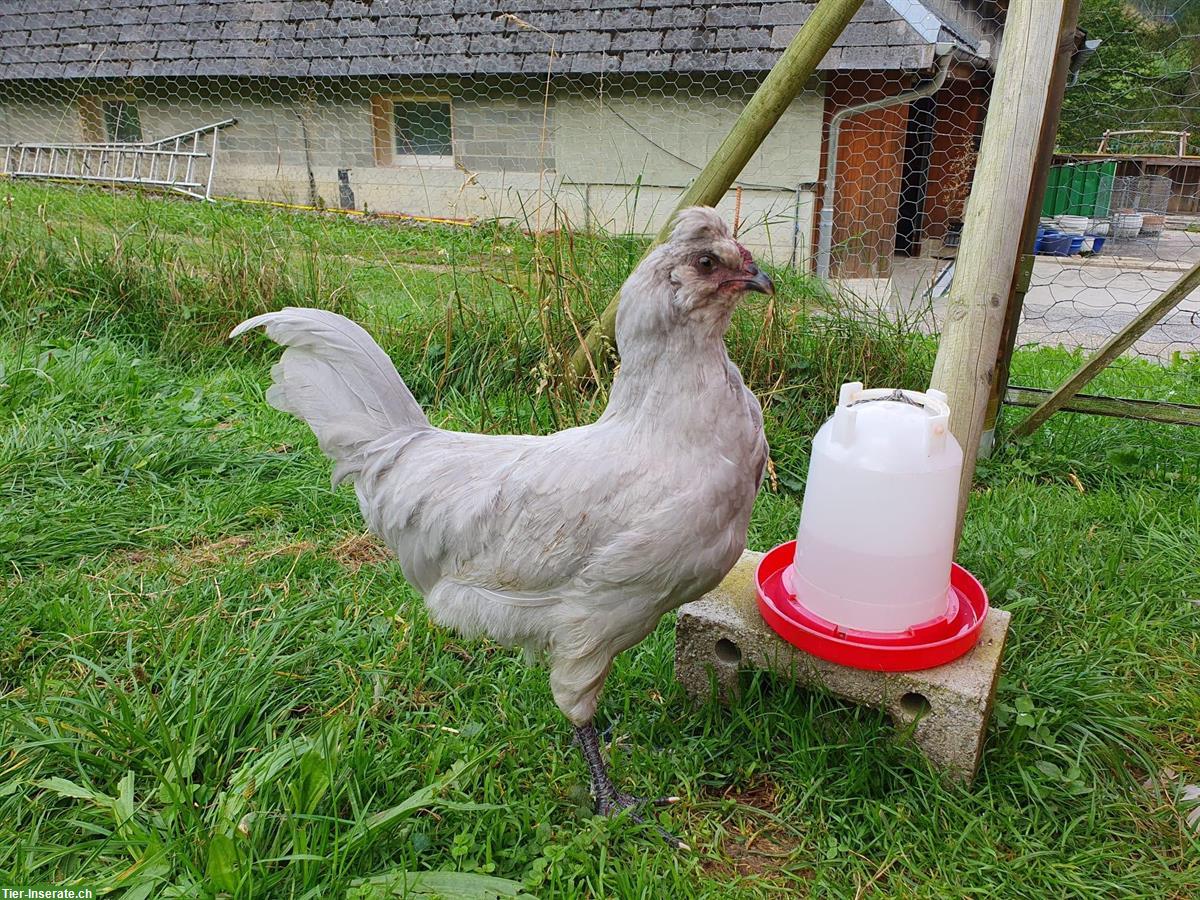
{"x": 1116, "y": 345}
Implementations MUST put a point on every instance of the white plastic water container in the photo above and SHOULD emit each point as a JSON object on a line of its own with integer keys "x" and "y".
{"x": 876, "y": 538}
{"x": 1073, "y": 224}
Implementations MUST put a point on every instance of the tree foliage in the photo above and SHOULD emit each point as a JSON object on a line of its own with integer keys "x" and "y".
{"x": 1146, "y": 74}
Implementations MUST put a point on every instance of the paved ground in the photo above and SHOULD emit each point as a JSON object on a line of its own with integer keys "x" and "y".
{"x": 1076, "y": 301}
{"x": 1083, "y": 303}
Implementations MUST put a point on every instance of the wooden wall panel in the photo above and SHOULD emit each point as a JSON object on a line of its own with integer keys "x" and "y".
{"x": 959, "y": 112}
{"x": 381, "y": 128}
{"x": 869, "y": 170}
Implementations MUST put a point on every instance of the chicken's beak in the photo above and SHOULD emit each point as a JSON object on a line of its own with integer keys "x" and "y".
{"x": 759, "y": 282}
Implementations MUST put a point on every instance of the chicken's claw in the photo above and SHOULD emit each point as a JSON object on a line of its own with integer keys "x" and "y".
{"x": 609, "y": 801}
{"x": 619, "y": 803}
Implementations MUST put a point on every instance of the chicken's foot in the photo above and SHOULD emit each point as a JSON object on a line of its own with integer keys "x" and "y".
{"x": 609, "y": 800}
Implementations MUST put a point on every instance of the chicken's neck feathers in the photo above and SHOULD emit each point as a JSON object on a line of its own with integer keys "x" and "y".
{"x": 657, "y": 388}
{"x": 673, "y": 371}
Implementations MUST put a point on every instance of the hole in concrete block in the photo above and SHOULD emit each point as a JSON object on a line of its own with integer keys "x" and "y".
{"x": 914, "y": 704}
{"x": 728, "y": 652}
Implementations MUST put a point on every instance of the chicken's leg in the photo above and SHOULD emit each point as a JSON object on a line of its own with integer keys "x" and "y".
{"x": 609, "y": 800}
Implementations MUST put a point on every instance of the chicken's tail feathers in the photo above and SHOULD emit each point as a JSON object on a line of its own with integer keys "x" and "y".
{"x": 338, "y": 380}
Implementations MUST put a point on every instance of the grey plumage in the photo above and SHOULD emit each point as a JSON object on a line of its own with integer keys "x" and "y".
{"x": 576, "y": 543}
{"x": 338, "y": 380}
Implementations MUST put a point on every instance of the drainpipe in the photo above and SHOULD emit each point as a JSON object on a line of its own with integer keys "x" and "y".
{"x": 825, "y": 237}
{"x": 802, "y": 188}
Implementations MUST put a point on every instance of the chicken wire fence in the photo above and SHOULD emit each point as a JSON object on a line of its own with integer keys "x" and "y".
{"x": 1125, "y": 182}
{"x": 595, "y": 116}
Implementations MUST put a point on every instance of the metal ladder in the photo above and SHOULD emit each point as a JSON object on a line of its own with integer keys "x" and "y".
{"x": 183, "y": 162}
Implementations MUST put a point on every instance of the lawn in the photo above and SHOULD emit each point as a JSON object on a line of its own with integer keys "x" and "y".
{"x": 212, "y": 681}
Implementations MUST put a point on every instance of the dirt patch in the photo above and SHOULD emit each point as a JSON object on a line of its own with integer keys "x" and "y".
{"x": 206, "y": 554}
{"x": 185, "y": 557}
{"x": 227, "y": 549}
{"x": 760, "y": 794}
{"x": 748, "y": 857}
{"x": 358, "y": 550}
{"x": 352, "y": 552}
{"x": 295, "y": 548}
{"x": 754, "y": 845}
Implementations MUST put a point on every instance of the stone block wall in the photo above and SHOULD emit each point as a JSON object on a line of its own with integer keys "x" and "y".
{"x": 608, "y": 159}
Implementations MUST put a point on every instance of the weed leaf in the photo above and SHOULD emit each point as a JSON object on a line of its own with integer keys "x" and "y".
{"x": 223, "y": 867}
{"x": 447, "y": 885}
{"x": 65, "y": 788}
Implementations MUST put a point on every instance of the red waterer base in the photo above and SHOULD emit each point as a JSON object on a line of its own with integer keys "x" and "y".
{"x": 932, "y": 643}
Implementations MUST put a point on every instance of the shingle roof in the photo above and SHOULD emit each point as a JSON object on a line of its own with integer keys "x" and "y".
{"x": 287, "y": 38}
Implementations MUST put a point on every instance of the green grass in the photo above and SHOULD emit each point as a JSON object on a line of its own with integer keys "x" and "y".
{"x": 1177, "y": 380}
{"x": 210, "y": 681}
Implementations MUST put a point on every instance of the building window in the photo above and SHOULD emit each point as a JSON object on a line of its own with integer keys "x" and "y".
{"x": 121, "y": 122}
{"x": 412, "y": 131}
{"x": 421, "y": 128}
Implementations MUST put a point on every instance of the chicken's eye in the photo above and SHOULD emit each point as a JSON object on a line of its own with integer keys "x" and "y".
{"x": 705, "y": 262}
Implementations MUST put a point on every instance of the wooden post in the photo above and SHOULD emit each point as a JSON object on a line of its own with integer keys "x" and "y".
{"x": 1023, "y": 272}
{"x": 966, "y": 359}
{"x": 1118, "y": 407}
{"x": 1115, "y": 346}
{"x": 785, "y": 80}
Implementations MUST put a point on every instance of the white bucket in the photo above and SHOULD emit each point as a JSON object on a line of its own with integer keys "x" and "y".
{"x": 1073, "y": 224}
{"x": 876, "y": 537}
{"x": 1127, "y": 225}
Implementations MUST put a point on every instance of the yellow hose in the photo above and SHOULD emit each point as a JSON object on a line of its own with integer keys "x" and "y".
{"x": 436, "y": 220}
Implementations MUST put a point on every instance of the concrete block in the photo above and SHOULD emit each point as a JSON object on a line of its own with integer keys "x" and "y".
{"x": 723, "y": 633}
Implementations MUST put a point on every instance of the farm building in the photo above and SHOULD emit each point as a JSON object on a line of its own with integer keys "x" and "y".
{"x": 477, "y": 108}
{"x": 1164, "y": 167}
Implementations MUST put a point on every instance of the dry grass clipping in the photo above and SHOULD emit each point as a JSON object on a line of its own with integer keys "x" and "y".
{"x": 358, "y": 550}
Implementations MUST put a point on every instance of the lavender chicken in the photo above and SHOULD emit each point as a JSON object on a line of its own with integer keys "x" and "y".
{"x": 571, "y": 545}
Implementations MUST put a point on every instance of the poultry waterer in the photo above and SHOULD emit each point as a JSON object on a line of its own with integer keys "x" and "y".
{"x": 870, "y": 580}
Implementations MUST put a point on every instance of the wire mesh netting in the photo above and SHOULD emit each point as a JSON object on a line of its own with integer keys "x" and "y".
{"x": 1126, "y": 185}
{"x": 594, "y": 117}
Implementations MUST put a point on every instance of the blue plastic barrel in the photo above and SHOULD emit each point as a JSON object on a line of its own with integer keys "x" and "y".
{"x": 1059, "y": 244}
{"x": 1045, "y": 239}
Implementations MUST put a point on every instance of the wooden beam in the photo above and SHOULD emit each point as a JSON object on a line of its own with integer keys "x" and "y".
{"x": 785, "y": 80}
{"x": 966, "y": 360}
{"x": 382, "y": 111}
{"x": 1068, "y": 42}
{"x": 1118, "y": 407}
{"x": 1115, "y": 346}
{"x": 91, "y": 119}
